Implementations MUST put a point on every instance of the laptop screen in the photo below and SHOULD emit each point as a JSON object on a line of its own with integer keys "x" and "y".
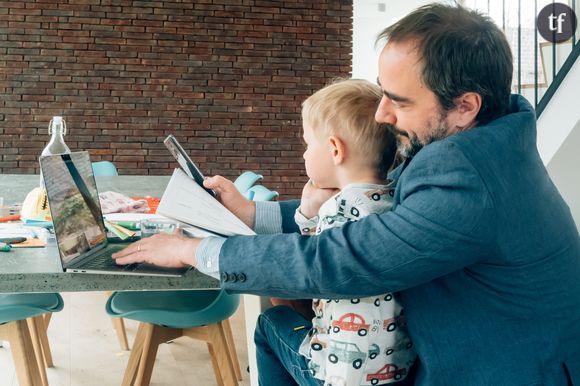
{"x": 74, "y": 204}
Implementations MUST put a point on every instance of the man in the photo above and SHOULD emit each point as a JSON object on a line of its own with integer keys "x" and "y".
{"x": 479, "y": 242}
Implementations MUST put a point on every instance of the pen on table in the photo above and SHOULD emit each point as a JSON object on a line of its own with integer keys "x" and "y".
{"x": 131, "y": 225}
{"x": 5, "y": 247}
{"x": 14, "y": 217}
{"x": 12, "y": 240}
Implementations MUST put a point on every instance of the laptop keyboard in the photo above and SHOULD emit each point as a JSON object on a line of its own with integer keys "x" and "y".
{"x": 103, "y": 261}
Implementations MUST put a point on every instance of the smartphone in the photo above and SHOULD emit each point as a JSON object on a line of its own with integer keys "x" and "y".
{"x": 185, "y": 162}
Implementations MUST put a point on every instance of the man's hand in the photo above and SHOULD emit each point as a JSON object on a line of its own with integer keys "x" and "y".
{"x": 232, "y": 199}
{"x": 313, "y": 197}
{"x": 165, "y": 250}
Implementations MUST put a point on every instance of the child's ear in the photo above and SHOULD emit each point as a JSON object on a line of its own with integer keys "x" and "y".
{"x": 337, "y": 149}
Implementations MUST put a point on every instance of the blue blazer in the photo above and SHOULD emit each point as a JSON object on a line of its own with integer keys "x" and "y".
{"x": 480, "y": 245}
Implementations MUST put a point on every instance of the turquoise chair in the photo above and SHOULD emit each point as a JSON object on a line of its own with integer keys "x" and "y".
{"x": 246, "y": 180}
{"x": 167, "y": 315}
{"x": 108, "y": 169}
{"x": 22, "y": 324}
{"x": 104, "y": 168}
{"x": 260, "y": 193}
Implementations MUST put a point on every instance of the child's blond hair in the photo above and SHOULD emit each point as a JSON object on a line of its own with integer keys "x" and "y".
{"x": 346, "y": 108}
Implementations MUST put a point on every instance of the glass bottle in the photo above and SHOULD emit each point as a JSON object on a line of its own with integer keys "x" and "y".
{"x": 56, "y": 145}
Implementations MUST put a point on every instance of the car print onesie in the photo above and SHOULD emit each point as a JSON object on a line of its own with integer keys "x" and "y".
{"x": 361, "y": 341}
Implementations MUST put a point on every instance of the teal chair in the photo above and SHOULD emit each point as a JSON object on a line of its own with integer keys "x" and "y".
{"x": 246, "y": 180}
{"x": 167, "y": 315}
{"x": 22, "y": 324}
{"x": 104, "y": 168}
{"x": 108, "y": 169}
{"x": 260, "y": 193}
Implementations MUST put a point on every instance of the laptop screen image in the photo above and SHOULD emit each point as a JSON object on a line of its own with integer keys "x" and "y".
{"x": 74, "y": 204}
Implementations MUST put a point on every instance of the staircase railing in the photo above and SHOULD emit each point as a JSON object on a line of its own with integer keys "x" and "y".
{"x": 539, "y": 66}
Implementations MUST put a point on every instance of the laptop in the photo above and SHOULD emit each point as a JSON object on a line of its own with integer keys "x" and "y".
{"x": 78, "y": 220}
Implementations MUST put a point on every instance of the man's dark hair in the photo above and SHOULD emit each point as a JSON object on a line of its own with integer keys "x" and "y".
{"x": 462, "y": 51}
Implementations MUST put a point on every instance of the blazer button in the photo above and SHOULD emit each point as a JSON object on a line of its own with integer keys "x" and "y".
{"x": 242, "y": 277}
{"x": 232, "y": 277}
{"x": 225, "y": 277}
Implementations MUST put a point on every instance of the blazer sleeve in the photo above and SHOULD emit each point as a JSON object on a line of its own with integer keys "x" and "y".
{"x": 288, "y": 208}
{"x": 442, "y": 223}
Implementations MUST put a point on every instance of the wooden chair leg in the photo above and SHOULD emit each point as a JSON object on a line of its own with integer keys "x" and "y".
{"x": 47, "y": 317}
{"x": 135, "y": 358}
{"x": 25, "y": 362}
{"x": 119, "y": 326}
{"x": 39, "y": 325}
{"x": 232, "y": 348}
{"x": 220, "y": 357}
{"x": 35, "y": 331}
{"x": 153, "y": 336}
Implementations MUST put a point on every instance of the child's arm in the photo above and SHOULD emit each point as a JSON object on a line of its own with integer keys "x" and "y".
{"x": 307, "y": 227}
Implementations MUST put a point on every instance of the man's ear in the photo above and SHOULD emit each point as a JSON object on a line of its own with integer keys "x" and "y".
{"x": 467, "y": 107}
{"x": 337, "y": 149}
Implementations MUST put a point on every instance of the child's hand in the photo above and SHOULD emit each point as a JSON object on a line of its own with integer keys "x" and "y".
{"x": 313, "y": 197}
{"x": 232, "y": 199}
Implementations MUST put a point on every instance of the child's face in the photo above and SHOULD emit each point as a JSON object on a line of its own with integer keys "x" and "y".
{"x": 318, "y": 160}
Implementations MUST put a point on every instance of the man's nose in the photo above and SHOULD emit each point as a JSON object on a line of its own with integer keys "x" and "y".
{"x": 385, "y": 112}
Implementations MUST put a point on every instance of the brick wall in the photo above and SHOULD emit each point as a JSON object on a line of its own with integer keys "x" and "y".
{"x": 226, "y": 77}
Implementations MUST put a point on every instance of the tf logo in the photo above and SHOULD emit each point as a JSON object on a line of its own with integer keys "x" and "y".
{"x": 556, "y": 22}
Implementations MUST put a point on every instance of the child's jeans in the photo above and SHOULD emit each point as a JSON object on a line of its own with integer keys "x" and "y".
{"x": 279, "y": 332}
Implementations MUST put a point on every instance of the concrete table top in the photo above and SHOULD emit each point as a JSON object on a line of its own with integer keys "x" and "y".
{"x": 39, "y": 269}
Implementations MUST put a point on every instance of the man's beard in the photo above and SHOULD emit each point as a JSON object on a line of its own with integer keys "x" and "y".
{"x": 410, "y": 149}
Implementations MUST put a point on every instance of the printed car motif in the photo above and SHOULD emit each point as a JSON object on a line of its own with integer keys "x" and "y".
{"x": 374, "y": 351}
{"x": 376, "y": 194}
{"x": 388, "y": 371}
{"x": 404, "y": 344}
{"x": 335, "y": 380}
{"x": 351, "y": 322}
{"x": 346, "y": 352}
{"x": 316, "y": 344}
{"x": 314, "y": 368}
{"x": 393, "y": 323}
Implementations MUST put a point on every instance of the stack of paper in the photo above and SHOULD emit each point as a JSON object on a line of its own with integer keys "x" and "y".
{"x": 35, "y": 236}
{"x": 184, "y": 200}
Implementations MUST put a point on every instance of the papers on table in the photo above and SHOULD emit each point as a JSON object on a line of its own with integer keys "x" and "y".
{"x": 184, "y": 200}
{"x": 35, "y": 236}
{"x": 132, "y": 217}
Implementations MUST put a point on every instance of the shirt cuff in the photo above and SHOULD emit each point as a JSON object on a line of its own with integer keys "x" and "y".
{"x": 268, "y": 218}
{"x": 208, "y": 256}
{"x": 307, "y": 225}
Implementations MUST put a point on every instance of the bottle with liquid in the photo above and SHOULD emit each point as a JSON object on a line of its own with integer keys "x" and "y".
{"x": 56, "y": 145}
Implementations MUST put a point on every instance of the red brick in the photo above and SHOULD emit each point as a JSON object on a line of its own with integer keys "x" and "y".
{"x": 228, "y": 80}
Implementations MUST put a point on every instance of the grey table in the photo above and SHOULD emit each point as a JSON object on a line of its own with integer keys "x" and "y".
{"x": 39, "y": 269}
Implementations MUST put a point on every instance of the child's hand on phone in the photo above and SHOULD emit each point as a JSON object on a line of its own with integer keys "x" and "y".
{"x": 313, "y": 197}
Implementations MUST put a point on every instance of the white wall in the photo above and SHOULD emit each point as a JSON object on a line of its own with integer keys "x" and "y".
{"x": 559, "y": 139}
{"x": 564, "y": 170}
{"x": 369, "y": 21}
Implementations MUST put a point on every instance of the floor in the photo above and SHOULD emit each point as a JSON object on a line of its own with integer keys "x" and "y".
{"x": 86, "y": 352}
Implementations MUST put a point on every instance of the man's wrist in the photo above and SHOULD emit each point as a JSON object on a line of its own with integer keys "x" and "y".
{"x": 250, "y": 215}
{"x": 190, "y": 251}
{"x": 207, "y": 255}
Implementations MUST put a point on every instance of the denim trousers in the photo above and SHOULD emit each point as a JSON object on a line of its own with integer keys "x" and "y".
{"x": 279, "y": 332}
